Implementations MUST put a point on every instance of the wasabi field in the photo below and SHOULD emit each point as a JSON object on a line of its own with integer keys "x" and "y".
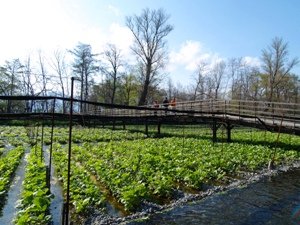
{"x": 128, "y": 170}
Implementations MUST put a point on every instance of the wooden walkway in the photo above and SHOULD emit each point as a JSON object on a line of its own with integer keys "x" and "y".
{"x": 271, "y": 116}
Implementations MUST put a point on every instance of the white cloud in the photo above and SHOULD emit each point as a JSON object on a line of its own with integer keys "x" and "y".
{"x": 189, "y": 55}
{"x": 50, "y": 24}
{"x": 33, "y": 24}
{"x": 186, "y": 56}
{"x": 121, "y": 36}
{"x": 116, "y": 11}
{"x": 252, "y": 61}
{"x": 184, "y": 62}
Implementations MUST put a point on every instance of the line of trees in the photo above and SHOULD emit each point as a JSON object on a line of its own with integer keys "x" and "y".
{"x": 106, "y": 77}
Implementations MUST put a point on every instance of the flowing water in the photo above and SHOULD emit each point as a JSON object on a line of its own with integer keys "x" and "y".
{"x": 274, "y": 200}
{"x": 10, "y": 210}
{"x": 56, "y": 205}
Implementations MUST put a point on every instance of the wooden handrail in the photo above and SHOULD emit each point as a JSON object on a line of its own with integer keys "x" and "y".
{"x": 244, "y": 108}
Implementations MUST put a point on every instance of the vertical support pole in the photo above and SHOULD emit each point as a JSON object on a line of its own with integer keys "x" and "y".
{"x": 36, "y": 138}
{"x": 63, "y": 214}
{"x": 239, "y": 109}
{"x": 146, "y": 128}
{"x": 51, "y": 138}
{"x": 158, "y": 128}
{"x": 114, "y": 124}
{"x": 42, "y": 141}
{"x": 271, "y": 163}
{"x": 124, "y": 126}
{"x": 214, "y": 130}
{"x": 48, "y": 178}
{"x": 69, "y": 152}
{"x": 255, "y": 111}
{"x": 228, "y": 128}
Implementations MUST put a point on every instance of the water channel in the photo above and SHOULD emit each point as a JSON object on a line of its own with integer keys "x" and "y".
{"x": 10, "y": 208}
{"x": 273, "y": 200}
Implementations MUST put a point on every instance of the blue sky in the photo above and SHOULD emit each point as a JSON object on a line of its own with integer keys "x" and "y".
{"x": 203, "y": 29}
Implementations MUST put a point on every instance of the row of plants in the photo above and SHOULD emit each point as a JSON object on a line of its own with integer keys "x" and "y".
{"x": 8, "y": 166}
{"x": 266, "y": 138}
{"x": 83, "y": 191}
{"x": 100, "y": 135}
{"x": 153, "y": 168}
{"x": 15, "y": 135}
{"x": 35, "y": 198}
{"x": 81, "y": 134}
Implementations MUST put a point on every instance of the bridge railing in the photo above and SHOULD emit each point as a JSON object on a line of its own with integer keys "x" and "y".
{"x": 270, "y": 112}
{"x": 262, "y": 109}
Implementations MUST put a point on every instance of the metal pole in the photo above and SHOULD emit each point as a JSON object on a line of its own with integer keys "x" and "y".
{"x": 51, "y": 144}
{"x": 36, "y": 138}
{"x": 42, "y": 140}
{"x": 69, "y": 152}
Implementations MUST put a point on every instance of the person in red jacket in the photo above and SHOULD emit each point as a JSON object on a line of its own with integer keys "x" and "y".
{"x": 173, "y": 103}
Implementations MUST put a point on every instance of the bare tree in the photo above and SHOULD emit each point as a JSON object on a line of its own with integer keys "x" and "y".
{"x": 11, "y": 83}
{"x": 12, "y": 70}
{"x": 235, "y": 66}
{"x": 149, "y": 30}
{"x": 200, "y": 78}
{"x": 216, "y": 77}
{"x": 253, "y": 85}
{"x": 59, "y": 66}
{"x": 112, "y": 71}
{"x": 287, "y": 89}
{"x": 28, "y": 83}
{"x": 43, "y": 78}
{"x": 42, "y": 73}
{"x": 276, "y": 65}
{"x": 27, "y": 78}
{"x": 84, "y": 67}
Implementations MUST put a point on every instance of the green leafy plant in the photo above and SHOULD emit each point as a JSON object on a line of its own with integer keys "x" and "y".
{"x": 35, "y": 197}
{"x": 8, "y": 166}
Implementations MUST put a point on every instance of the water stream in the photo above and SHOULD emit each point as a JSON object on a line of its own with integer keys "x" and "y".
{"x": 274, "y": 200}
{"x": 56, "y": 206}
{"x": 10, "y": 210}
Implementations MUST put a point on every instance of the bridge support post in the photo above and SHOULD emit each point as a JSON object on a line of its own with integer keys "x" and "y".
{"x": 158, "y": 128}
{"x": 146, "y": 128}
{"x": 214, "y": 131}
{"x": 228, "y": 129}
{"x": 114, "y": 124}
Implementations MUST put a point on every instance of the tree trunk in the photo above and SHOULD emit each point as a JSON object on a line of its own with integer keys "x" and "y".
{"x": 144, "y": 94}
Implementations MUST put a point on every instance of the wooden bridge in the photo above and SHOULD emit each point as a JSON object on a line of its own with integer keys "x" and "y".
{"x": 272, "y": 116}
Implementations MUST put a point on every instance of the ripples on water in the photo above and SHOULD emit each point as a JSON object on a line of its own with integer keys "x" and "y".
{"x": 274, "y": 201}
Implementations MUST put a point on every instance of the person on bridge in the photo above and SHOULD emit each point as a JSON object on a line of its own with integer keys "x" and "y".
{"x": 173, "y": 103}
{"x": 166, "y": 103}
{"x": 155, "y": 105}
